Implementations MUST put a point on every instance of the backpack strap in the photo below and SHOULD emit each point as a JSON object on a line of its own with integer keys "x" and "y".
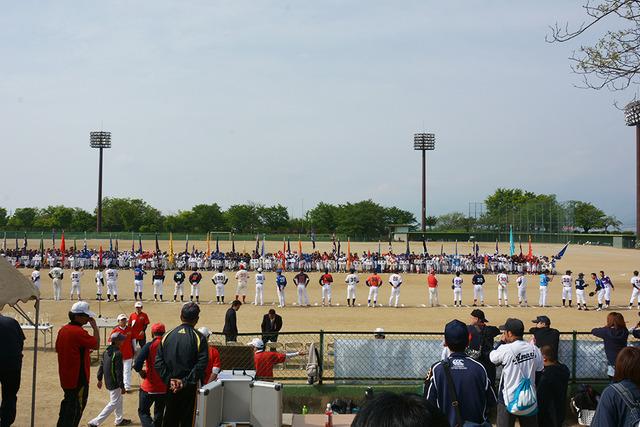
{"x": 626, "y": 396}
{"x": 452, "y": 392}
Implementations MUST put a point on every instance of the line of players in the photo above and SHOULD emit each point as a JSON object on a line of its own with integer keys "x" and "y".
{"x": 603, "y": 286}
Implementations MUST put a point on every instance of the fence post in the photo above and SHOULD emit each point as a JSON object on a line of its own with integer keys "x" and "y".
{"x": 321, "y": 361}
{"x": 574, "y": 355}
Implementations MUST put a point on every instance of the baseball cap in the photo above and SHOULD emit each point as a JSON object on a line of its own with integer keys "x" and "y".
{"x": 115, "y": 336}
{"x": 190, "y": 311}
{"x": 256, "y": 342}
{"x": 279, "y": 270}
{"x": 82, "y": 307}
{"x": 515, "y": 326}
{"x": 158, "y": 328}
{"x": 477, "y": 313}
{"x": 379, "y": 331}
{"x": 456, "y": 333}
{"x": 121, "y": 317}
{"x": 543, "y": 319}
{"x": 138, "y": 304}
{"x": 204, "y": 331}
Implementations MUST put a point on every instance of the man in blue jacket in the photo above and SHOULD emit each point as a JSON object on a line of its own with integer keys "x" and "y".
{"x": 471, "y": 387}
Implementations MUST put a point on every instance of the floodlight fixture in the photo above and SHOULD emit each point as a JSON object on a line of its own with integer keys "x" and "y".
{"x": 424, "y": 142}
{"x": 99, "y": 140}
{"x": 632, "y": 118}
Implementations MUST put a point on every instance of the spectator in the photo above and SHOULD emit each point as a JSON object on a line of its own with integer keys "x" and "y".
{"x": 379, "y": 334}
{"x": 213, "y": 366}
{"x": 126, "y": 348}
{"x": 10, "y": 367}
{"x": 271, "y": 325}
{"x": 520, "y": 361}
{"x": 181, "y": 359}
{"x": 139, "y": 321}
{"x": 481, "y": 337}
{"x": 614, "y": 334}
{"x": 459, "y": 385}
{"x": 543, "y": 334}
{"x": 73, "y": 345}
{"x": 399, "y": 410}
{"x": 551, "y": 387}
{"x": 230, "y": 329}
{"x": 111, "y": 371}
{"x": 265, "y": 360}
{"x": 618, "y": 403}
{"x": 153, "y": 390}
{"x": 636, "y": 330}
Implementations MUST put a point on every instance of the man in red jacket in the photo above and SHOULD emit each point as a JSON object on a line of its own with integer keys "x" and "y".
{"x": 73, "y": 346}
{"x": 126, "y": 348}
{"x": 152, "y": 390}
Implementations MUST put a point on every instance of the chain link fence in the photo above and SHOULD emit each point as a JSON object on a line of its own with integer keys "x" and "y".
{"x": 360, "y": 357}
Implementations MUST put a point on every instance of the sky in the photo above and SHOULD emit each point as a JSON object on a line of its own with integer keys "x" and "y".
{"x": 297, "y": 102}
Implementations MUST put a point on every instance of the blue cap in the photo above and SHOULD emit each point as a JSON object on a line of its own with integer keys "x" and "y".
{"x": 456, "y": 333}
{"x": 279, "y": 270}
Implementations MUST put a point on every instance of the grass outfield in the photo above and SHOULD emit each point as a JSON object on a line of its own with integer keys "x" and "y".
{"x": 617, "y": 263}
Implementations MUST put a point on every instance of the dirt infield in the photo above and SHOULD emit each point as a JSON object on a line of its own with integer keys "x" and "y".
{"x": 617, "y": 263}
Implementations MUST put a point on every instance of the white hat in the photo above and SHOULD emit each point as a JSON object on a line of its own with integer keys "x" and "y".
{"x": 138, "y": 304}
{"x": 121, "y": 316}
{"x": 256, "y": 342}
{"x": 204, "y": 331}
{"x": 379, "y": 331}
{"x": 82, "y": 307}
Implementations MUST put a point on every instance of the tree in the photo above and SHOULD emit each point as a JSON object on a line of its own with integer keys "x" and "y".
{"x": 613, "y": 61}
{"x": 454, "y": 221}
{"x": 182, "y": 222}
{"x": 123, "y": 214}
{"x": 274, "y": 219}
{"x": 394, "y": 215}
{"x": 587, "y": 216}
{"x": 611, "y": 221}
{"x": 3, "y": 217}
{"x": 361, "y": 220}
{"x": 324, "y": 218}
{"x": 23, "y": 219}
{"x": 206, "y": 218}
{"x": 431, "y": 221}
{"x": 243, "y": 218}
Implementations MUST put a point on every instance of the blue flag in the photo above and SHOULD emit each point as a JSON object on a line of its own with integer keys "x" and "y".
{"x": 562, "y": 251}
{"x": 512, "y": 245}
{"x": 110, "y": 243}
{"x": 264, "y": 237}
{"x": 139, "y": 242}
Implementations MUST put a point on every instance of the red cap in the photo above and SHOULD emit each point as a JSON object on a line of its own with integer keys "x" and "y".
{"x": 157, "y": 328}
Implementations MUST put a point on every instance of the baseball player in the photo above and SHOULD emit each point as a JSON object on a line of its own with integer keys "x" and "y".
{"x": 76, "y": 275}
{"x": 178, "y": 279}
{"x": 56, "y": 274}
{"x": 373, "y": 282}
{"x": 503, "y": 281}
{"x": 194, "y": 279}
{"x": 544, "y": 287}
{"x": 521, "y": 281}
{"x": 242, "y": 276}
{"x": 566, "y": 281}
{"x": 112, "y": 282}
{"x": 158, "y": 281}
{"x": 35, "y": 277}
{"x": 395, "y": 280}
{"x": 478, "y": 288}
{"x": 99, "y": 283}
{"x": 220, "y": 279}
{"x": 599, "y": 290}
{"x": 635, "y": 291}
{"x": 607, "y": 284}
{"x": 301, "y": 280}
{"x": 281, "y": 283}
{"x": 580, "y": 285}
{"x": 351, "y": 280}
{"x": 456, "y": 285}
{"x": 138, "y": 282}
{"x": 432, "y": 282}
{"x": 260, "y": 278}
{"x": 325, "y": 282}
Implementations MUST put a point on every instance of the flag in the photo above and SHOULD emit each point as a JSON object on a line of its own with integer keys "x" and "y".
{"x": 562, "y": 251}
{"x": 299, "y": 247}
{"x": 17, "y": 246}
{"x": 520, "y": 242}
{"x": 497, "y": 250}
{"x": 441, "y": 248}
{"x": 217, "y": 246}
{"x": 116, "y": 245}
{"x": 24, "y": 246}
{"x": 486, "y": 260}
{"x": 110, "y": 244}
{"x": 456, "y": 247}
{"x": 288, "y": 245}
{"x": 4, "y": 242}
{"x": 133, "y": 243}
{"x": 512, "y": 245}
{"x": 84, "y": 244}
{"x": 75, "y": 244}
{"x": 157, "y": 245}
{"x": 42, "y": 245}
{"x": 348, "y": 253}
{"x": 313, "y": 240}
{"x": 209, "y": 244}
{"x": 333, "y": 239}
{"x": 408, "y": 252}
{"x": 233, "y": 242}
{"x": 477, "y": 249}
{"x": 257, "y": 244}
{"x": 530, "y": 254}
{"x": 170, "y": 248}
{"x": 186, "y": 244}
{"x": 284, "y": 256}
{"x": 264, "y": 237}
{"x": 139, "y": 242}
{"x": 100, "y": 255}
{"x": 379, "y": 248}
{"x": 62, "y": 248}
{"x": 338, "y": 251}
{"x": 53, "y": 239}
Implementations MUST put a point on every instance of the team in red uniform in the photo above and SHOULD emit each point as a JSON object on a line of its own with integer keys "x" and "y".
{"x": 139, "y": 321}
{"x": 325, "y": 281}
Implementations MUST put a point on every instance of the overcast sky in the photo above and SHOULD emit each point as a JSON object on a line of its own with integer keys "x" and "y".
{"x": 302, "y": 101}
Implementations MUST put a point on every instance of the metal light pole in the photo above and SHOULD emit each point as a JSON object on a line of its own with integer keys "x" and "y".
{"x": 99, "y": 140}
{"x": 632, "y": 117}
{"x": 424, "y": 142}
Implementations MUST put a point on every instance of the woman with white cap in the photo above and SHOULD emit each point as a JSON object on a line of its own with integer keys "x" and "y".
{"x": 213, "y": 366}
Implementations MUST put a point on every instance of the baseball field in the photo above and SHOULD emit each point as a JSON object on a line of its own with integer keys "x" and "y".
{"x": 413, "y": 316}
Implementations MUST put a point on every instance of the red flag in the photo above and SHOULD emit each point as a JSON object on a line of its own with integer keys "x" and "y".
{"x": 62, "y": 248}
{"x": 530, "y": 254}
{"x": 348, "y": 253}
{"x": 299, "y": 247}
{"x": 100, "y": 256}
{"x": 284, "y": 255}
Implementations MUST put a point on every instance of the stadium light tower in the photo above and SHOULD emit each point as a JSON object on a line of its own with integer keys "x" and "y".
{"x": 424, "y": 142}
{"x": 632, "y": 117}
{"x": 100, "y": 140}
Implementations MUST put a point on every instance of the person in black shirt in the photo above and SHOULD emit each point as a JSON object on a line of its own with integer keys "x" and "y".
{"x": 580, "y": 285}
{"x": 543, "y": 334}
{"x": 481, "y": 338}
{"x": 230, "y": 329}
{"x": 478, "y": 291}
{"x": 271, "y": 325}
{"x": 181, "y": 360}
{"x": 178, "y": 279}
{"x": 10, "y": 367}
{"x": 551, "y": 390}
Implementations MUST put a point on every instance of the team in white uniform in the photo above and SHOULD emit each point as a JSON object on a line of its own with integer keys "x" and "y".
{"x": 57, "y": 275}
{"x": 260, "y": 278}
{"x": 457, "y": 289}
{"x": 35, "y": 277}
{"x": 219, "y": 280}
{"x": 580, "y": 299}
{"x": 112, "y": 282}
{"x": 351, "y": 280}
{"x": 395, "y": 280}
{"x": 503, "y": 281}
{"x": 99, "y": 283}
{"x": 76, "y": 275}
{"x": 242, "y": 276}
{"x": 301, "y": 281}
{"x": 567, "y": 282}
{"x": 635, "y": 290}
{"x": 521, "y": 281}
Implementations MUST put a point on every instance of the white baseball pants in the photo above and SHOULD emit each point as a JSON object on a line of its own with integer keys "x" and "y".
{"x": 580, "y": 297}
{"x": 112, "y": 288}
{"x": 351, "y": 291}
{"x": 395, "y": 293}
{"x": 326, "y": 293}
{"x": 373, "y": 294}
{"x": 115, "y": 404}
{"x": 280, "y": 296}
{"x": 138, "y": 285}
{"x": 457, "y": 295}
{"x": 75, "y": 287}
{"x": 195, "y": 290}
{"x": 601, "y": 298}
{"x": 259, "y": 294}
{"x": 57, "y": 287}
{"x": 219, "y": 290}
{"x": 522, "y": 294}
{"x": 566, "y": 292}
{"x": 157, "y": 287}
{"x": 478, "y": 293}
{"x": 303, "y": 297}
{"x": 178, "y": 289}
{"x": 433, "y": 297}
{"x": 542, "y": 301}
{"x": 635, "y": 294}
{"x": 607, "y": 294}
{"x": 502, "y": 293}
